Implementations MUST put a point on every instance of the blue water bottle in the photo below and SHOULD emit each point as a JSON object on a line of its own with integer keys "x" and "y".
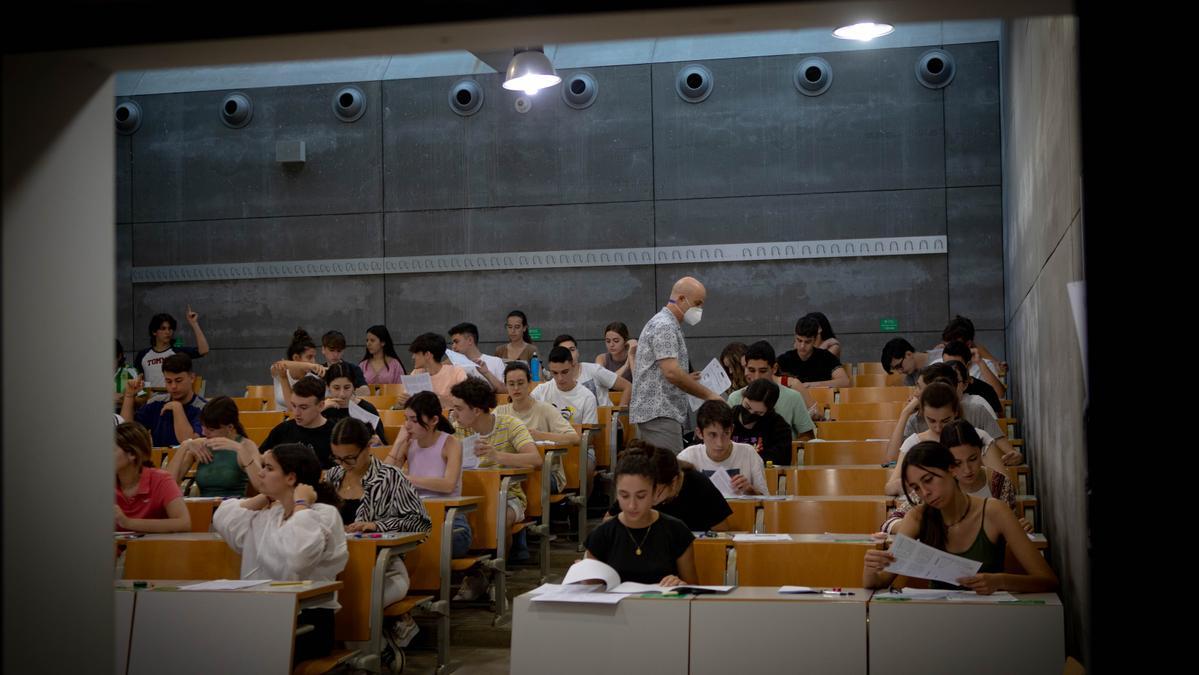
{"x": 535, "y": 367}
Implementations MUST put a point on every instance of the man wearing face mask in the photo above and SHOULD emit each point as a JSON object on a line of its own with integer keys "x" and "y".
{"x": 661, "y": 379}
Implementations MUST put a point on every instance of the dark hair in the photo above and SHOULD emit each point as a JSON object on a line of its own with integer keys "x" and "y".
{"x": 959, "y": 349}
{"x": 475, "y": 393}
{"x": 939, "y": 369}
{"x": 334, "y": 340}
{"x": 826, "y": 329}
{"x": 389, "y": 347}
{"x": 960, "y": 432}
{"x": 301, "y": 342}
{"x": 764, "y": 391}
{"x": 466, "y": 328}
{"x": 938, "y": 395}
{"x": 340, "y": 369}
{"x": 733, "y": 352}
{"x": 565, "y": 338}
{"x": 896, "y": 348}
{"x": 760, "y": 351}
{"x": 958, "y": 328}
{"x": 219, "y": 412}
{"x": 135, "y": 439}
{"x": 928, "y": 455}
{"x": 714, "y": 412}
{"x": 665, "y": 463}
{"x": 177, "y": 363}
{"x": 521, "y": 366}
{"x": 523, "y": 319}
{"x": 960, "y": 368}
{"x": 428, "y": 342}
{"x": 426, "y": 404}
{"x": 306, "y": 387}
{"x": 301, "y": 460}
{"x": 158, "y": 319}
{"x": 349, "y": 431}
{"x": 560, "y": 355}
{"x": 120, "y": 355}
{"x": 617, "y": 327}
{"x": 637, "y": 463}
{"x": 807, "y": 327}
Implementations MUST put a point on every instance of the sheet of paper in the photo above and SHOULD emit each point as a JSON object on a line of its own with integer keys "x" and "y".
{"x": 565, "y": 588}
{"x": 363, "y": 415}
{"x": 795, "y": 589}
{"x": 850, "y": 538}
{"x": 915, "y": 559}
{"x": 721, "y": 480}
{"x": 580, "y": 598}
{"x": 761, "y": 537}
{"x": 631, "y": 587}
{"x": 469, "y": 459}
{"x": 713, "y": 377}
{"x": 225, "y": 585}
{"x": 415, "y": 384}
{"x": 771, "y": 498}
{"x": 971, "y": 596}
{"x": 588, "y": 569}
{"x": 916, "y": 594}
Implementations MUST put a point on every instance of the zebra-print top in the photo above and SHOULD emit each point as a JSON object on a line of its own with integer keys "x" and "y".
{"x": 388, "y": 498}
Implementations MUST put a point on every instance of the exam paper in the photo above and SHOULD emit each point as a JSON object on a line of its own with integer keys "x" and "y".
{"x": 224, "y": 585}
{"x": 469, "y": 459}
{"x": 761, "y": 537}
{"x": 589, "y": 569}
{"x": 721, "y": 481}
{"x": 632, "y": 587}
{"x": 915, "y": 559}
{"x": 713, "y": 377}
{"x": 363, "y": 415}
{"x": 415, "y": 384}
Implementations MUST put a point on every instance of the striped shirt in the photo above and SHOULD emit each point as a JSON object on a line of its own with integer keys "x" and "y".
{"x": 388, "y": 499}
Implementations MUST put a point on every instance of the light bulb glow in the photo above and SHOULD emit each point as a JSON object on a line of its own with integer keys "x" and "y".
{"x": 864, "y": 32}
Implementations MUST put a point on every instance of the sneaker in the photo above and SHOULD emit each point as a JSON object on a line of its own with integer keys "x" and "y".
{"x": 403, "y": 630}
{"x": 392, "y": 661}
{"x": 472, "y": 587}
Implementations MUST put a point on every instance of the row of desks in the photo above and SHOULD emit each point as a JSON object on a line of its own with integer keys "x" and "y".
{"x": 816, "y": 514}
{"x": 756, "y": 629}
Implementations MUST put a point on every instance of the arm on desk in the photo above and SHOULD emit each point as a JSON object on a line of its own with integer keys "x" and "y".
{"x": 686, "y": 566}
{"x": 178, "y": 520}
{"x": 878, "y": 558}
{"x": 1039, "y": 578}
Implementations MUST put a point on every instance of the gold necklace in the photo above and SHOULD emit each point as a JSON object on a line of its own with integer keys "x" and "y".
{"x": 643, "y": 538}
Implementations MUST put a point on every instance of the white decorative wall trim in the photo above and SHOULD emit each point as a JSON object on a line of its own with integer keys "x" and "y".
{"x": 608, "y": 257}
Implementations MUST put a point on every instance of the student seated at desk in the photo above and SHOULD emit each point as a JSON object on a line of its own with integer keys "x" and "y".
{"x": 290, "y": 532}
{"x": 826, "y": 339}
{"x": 429, "y": 453}
{"x": 381, "y": 364}
{"x": 718, "y": 452}
{"x": 617, "y": 352}
{"x": 642, "y": 544}
{"x": 543, "y": 421}
{"x": 964, "y": 442}
{"x": 428, "y": 350}
{"x": 791, "y": 406}
{"x": 376, "y": 497}
{"x": 147, "y": 499}
{"x": 308, "y": 424}
{"x": 171, "y": 417}
{"x": 300, "y": 363}
{"x": 341, "y": 402}
{"x": 948, "y": 519}
{"x": 681, "y": 491}
{"x": 227, "y": 460}
{"x": 755, "y": 423}
{"x": 938, "y": 405}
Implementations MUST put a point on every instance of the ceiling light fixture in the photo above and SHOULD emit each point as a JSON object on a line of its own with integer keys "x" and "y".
{"x": 530, "y": 71}
{"x": 864, "y": 32}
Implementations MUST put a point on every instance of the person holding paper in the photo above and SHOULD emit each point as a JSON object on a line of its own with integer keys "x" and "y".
{"x": 735, "y": 468}
{"x": 225, "y": 460}
{"x": 681, "y": 491}
{"x": 575, "y": 402}
{"x": 464, "y": 340}
{"x": 381, "y": 364}
{"x": 341, "y": 401}
{"x": 641, "y": 544}
{"x": 429, "y": 453}
{"x": 975, "y": 528}
{"x": 428, "y": 350}
{"x": 290, "y": 532}
{"x": 147, "y": 500}
{"x": 661, "y": 379}
{"x": 596, "y": 378}
{"x": 791, "y": 405}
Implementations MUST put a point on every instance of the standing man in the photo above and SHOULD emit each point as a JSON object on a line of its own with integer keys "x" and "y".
{"x": 661, "y": 378}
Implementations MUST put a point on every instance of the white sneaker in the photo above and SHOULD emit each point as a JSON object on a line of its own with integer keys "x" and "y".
{"x": 472, "y": 587}
{"x": 403, "y": 630}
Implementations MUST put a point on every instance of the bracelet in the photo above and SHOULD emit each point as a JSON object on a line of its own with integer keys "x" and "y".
{"x": 301, "y": 502}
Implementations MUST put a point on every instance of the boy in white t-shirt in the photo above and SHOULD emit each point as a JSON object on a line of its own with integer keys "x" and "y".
{"x": 576, "y": 403}
{"x": 598, "y": 379}
{"x": 745, "y": 470}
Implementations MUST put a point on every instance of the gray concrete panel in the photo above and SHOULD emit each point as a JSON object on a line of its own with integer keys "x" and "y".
{"x": 124, "y": 155}
{"x": 188, "y": 166}
{"x": 556, "y": 301}
{"x": 255, "y": 75}
{"x": 552, "y": 154}
{"x": 123, "y": 287}
{"x": 875, "y": 128}
{"x": 976, "y": 255}
{"x": 258, "y": 239}
{"x": 973, "y": 147}
{"x": 263, "y": 313}
{"x": 527, "y": 228}
{"x": 800, "y": 217}
{"x": 766, "y": 298}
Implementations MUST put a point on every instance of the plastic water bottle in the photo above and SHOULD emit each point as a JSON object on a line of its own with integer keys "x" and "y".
{"x": 535, "y": 368}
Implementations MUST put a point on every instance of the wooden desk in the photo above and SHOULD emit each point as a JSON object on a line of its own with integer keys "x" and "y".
{"x": 181, "y": 555}
{"x": 874, "y": 394}
{"x": 858, "y": 479}
{"x": 843, "y": 452}
{"x": 202, "y": 632}
{"x": 757, "y": 629}
{"x": 490, "y": 525}
{"x": 639, "y": 635}
{"x": 745, "y": 512}
{"x": 712, "y": 560}
{"x": 817, "y": 515}
{"x": 805, "y": 560}
{"x": 201, "y": 509}
{"x": 361, "y": 615}
{"x": 1034, "y": 635}
{"x": 855, "y": 431}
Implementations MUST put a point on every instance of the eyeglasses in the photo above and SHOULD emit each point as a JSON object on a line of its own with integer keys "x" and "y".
{"x": 348, "y": 461}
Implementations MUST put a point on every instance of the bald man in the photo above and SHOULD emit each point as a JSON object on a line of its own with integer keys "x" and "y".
{"x": 661, "y": 379}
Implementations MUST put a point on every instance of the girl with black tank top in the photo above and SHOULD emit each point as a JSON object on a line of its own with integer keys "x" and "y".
{"x": 948, "y": 519}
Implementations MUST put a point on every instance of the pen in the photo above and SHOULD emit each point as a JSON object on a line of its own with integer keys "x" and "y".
{"x": 837, "y": 592}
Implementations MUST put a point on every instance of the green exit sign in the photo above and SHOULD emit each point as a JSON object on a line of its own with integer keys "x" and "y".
{"x": 534, "y": 333}
{"x": 888, "y": 325}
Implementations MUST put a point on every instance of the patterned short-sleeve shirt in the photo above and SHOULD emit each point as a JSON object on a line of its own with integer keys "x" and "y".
{"x": 508, "y": 435}
{"x": 653, "y": 396}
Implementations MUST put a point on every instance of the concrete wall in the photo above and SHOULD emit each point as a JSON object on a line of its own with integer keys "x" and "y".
{"x": 1043, "y": 244}
{"x": 878, "y": 155}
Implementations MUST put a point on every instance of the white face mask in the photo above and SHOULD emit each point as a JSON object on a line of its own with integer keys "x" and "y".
{"x": 693, "y": 315}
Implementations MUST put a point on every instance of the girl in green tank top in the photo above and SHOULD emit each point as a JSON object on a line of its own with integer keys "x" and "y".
{"x": 225, "y": 460}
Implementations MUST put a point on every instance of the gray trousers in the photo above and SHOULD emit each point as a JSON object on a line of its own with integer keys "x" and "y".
{"x": 662, "y": 432}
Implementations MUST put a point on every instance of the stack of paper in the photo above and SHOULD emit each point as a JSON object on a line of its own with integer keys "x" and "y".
{"x": 915, "y": 559}
{"x": 713, "y": 377}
